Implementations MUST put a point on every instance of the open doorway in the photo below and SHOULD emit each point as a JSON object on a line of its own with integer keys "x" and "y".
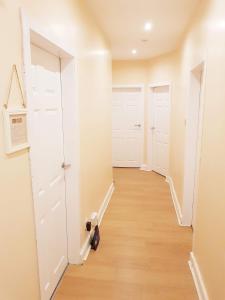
{"x": 192, "y": 148}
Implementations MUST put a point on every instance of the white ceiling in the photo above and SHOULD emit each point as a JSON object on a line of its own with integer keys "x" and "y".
{"x": 123, "y": 23}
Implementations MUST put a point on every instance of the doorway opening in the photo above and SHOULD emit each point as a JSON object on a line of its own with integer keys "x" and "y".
{"x": 192, "y": 144}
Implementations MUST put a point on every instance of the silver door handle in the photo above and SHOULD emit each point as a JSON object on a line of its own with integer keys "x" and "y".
{"x": 137, "y": 125}
{"x": 65, "y": 166}
{"x": 153, "y": 128}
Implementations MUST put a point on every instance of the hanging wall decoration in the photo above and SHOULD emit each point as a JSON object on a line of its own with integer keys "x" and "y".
{"x": 15, "y": 121}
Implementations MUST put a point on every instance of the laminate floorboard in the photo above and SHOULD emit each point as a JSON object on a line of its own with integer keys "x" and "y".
{"x": 143, "y": 252}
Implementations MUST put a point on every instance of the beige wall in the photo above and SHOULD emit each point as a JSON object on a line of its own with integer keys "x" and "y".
{"x": 70, "y": 22}
{"x": 203, "y": 41}
{"x": 209, "y": 237}
{"x": 129, "y": 72}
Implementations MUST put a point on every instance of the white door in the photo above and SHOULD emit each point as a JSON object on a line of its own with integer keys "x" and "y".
{"x": 127, "y": 127}
{"x": 160, "y": 129}
{"x": 46, "y": 139}
{"x": 193, "y": 127}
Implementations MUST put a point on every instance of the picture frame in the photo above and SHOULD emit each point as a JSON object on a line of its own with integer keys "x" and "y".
{"x": 15, "y": 130}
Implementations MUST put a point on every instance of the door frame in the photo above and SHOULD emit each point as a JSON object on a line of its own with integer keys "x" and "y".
{"x": 150, "y": 110}
{"x": 140, "y": 86}
{"x": 32, "y": 33}
{"x": 189, "y": 205}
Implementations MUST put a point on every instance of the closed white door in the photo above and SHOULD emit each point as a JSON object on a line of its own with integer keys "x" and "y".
{"x": 127, "y": 127}
{"x": 192, "y": 146}
{"x": 160, "y": 129}
{"x": 47, "y": 156}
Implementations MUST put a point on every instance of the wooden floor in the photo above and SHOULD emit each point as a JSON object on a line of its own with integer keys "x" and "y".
{"x": 143, "y": 252}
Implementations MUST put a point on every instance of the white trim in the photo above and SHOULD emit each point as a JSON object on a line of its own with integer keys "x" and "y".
{"x": 150, "y": 118}
{"x": 142, "y": 92}
{"x": 176, "y": 202}
{"x": 189, "y": 204}
{"x": 197, "y": 277}
{"x": 105, "y": 203}
{"x": 144, "y": 167}
{"x": 149, "y": 125}
{"x": 128, "y": 86}
{"x": 33, "y": 34}
{"x": 47, "y": 40}
{"x": 85, "y": 250}
{"x": 159, "y": 84}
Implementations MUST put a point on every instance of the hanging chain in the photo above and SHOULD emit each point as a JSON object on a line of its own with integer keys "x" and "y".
{"x": 14, "y": 70}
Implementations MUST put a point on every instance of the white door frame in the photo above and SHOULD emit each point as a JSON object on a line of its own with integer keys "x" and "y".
{"x": 33, "y": 34}
{"x": 189, "y": 204}
{"x": 150, "y": 111}
{"x": 142, "y": 88}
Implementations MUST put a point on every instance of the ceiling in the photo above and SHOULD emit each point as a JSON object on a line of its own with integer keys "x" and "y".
{"x": 123, "y": 23}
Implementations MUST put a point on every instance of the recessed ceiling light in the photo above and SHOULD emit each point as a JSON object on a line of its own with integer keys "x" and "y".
{"x": 148, "y": 26}
{"x": 134, "y": 51}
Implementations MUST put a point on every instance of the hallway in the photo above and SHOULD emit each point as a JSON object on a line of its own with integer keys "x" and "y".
{"x": 143, "y": 253}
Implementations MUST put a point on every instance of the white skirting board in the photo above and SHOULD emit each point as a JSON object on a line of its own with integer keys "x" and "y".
{"x": 145, "y": 167}
{"x": 197, "y": 277}
{"x": 176, "y": 202}
{"x": 86, "y": 246}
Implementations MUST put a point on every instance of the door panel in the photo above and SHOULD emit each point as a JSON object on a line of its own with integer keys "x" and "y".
{"x": 160, "y": 130}
{"x": 47, "y": 156}
{"x": 192, "y": 144}
{"x": 127, "y": 127}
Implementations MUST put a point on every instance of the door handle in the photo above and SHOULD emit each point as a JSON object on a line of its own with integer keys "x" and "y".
{"x": 153, "y": 128}
{"x": 65, "y": 166}
{"x": 137, "y": 125}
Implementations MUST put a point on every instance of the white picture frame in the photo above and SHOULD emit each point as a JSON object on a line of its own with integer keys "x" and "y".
{"x": 15, "y": 130}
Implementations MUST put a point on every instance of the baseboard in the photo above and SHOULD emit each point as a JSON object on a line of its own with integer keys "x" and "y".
{"x": 176, "y": 202}
{"x": 197, "y": 277}
{"x": 105, "y": 203}
{"x": 85, "y": 250}
{"x": 145, "y": 167}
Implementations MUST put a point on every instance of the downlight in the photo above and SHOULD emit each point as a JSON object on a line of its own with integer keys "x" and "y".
{"x": 148, "y": 26}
